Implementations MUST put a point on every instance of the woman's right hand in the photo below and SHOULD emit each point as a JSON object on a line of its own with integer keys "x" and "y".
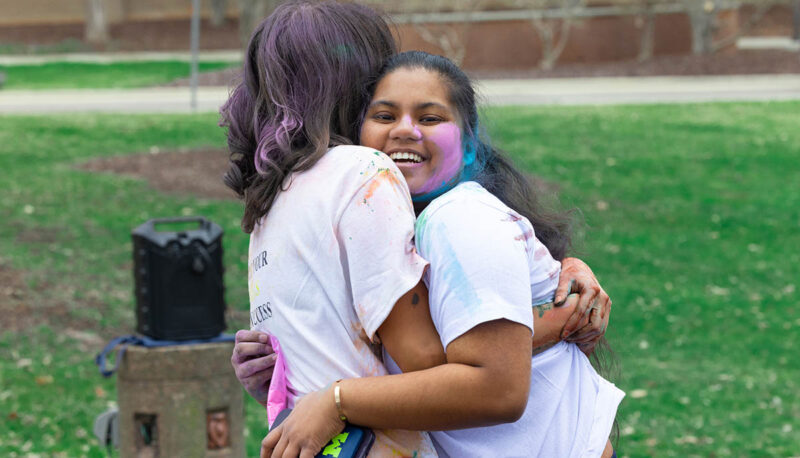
{"x": 253, "y": 361}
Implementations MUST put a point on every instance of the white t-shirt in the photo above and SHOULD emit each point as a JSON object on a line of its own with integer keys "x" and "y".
{"x": 327, "y": 264}
{"x": 486, "y": 264}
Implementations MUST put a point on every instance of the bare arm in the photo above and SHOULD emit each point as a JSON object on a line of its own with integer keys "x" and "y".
{"x": 408, "y": 333}
{"x": 485, "y": 382}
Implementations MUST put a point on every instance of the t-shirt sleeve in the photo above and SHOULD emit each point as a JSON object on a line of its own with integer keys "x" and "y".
{"x": 479, "y": 268}
{"x": 376, "y": 236}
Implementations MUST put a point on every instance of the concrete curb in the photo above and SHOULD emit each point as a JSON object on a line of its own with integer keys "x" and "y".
{"x": 578, "y": 91}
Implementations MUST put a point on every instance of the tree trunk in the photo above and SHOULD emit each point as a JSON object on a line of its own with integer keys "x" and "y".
{"x": 796, "y": 20}
{"x": 251, "y": 13}
{"x": 648, "y": 34}
{"x": 96, "y": 32}
{"x": 218, "y": 9}
{"x": 701, "y": 16}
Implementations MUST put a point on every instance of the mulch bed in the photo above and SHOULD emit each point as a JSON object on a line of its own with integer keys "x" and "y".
{"x": 197, "y": 173}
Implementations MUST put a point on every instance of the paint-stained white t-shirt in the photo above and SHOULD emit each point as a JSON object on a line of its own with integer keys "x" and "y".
{"x": 327, "y": 264}
{"x": 486, "y": 264}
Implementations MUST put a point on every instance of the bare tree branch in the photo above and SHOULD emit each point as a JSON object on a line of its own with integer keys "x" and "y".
{"x": 451, "y": 38}
{"x": 553, "y": 44}
{"x": 761, "y": 11}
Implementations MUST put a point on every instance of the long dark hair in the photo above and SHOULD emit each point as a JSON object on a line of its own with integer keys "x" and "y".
{"x": 489, "y": 166}
{"x": 493, "y": 169}
{"x": 303, "y": 87}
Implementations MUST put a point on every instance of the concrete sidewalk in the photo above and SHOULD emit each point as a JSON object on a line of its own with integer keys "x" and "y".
{"x": 578, "y": 91}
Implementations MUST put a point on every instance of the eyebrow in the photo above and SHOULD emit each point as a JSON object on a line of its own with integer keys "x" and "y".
{"x": 420, "y": 106}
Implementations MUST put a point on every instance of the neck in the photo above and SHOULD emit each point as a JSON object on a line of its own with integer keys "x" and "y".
{"x": 419, "y": 206}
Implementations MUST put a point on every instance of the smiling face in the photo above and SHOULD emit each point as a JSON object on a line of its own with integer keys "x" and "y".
{"x": 411, "y": 119}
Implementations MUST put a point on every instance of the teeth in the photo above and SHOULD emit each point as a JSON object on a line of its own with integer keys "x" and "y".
{"x": 406, "y": 156}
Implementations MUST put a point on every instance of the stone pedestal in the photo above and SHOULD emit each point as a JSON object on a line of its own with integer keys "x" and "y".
{"x": 180, "y": 401}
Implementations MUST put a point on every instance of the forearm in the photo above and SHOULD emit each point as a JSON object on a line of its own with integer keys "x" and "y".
{"x": 485, "y": 382}
{"x": 451, "y": 396}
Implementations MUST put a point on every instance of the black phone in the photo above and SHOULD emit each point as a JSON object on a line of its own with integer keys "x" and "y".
{"x": 353, "y": 442}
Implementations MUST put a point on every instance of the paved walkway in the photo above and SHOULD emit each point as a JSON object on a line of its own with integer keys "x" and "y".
{"x": 578, "y": 91}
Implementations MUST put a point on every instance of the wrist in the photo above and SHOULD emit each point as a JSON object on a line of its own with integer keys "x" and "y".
{"x": 332, "y": 409}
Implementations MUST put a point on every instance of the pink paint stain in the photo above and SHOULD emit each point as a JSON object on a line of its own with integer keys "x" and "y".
{"x": 447, "y": 137}
{"x": 415, "y": 132}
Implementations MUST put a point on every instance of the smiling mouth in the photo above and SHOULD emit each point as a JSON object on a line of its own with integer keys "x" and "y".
{"x": 406, "y": 157}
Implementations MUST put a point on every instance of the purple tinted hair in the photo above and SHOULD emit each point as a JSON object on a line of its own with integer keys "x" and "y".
{"x": 303, "y": 87}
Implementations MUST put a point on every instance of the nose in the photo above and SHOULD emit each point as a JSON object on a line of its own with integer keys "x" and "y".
{"x": 405, "y": 129}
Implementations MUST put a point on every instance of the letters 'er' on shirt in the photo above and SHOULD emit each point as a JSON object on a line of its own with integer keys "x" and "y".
{"x": 327, "y": 264}
{"x": 486, "y": 264}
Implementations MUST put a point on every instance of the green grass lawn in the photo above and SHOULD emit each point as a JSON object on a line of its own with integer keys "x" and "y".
{"x": 692, "y": 215}
{"x": 77, "y": 75}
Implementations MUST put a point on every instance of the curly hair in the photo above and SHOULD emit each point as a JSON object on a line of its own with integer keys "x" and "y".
{"x": 303, "y": 88}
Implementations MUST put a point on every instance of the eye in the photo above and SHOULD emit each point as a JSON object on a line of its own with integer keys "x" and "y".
{"x": 430, "y": 119}
{"x": 383, "y": 116}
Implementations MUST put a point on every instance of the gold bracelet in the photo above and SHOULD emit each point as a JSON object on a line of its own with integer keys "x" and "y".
{"x": 337, "y": 398}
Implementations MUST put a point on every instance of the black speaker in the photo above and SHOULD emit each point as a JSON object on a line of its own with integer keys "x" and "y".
{"x": 178, "y": 278}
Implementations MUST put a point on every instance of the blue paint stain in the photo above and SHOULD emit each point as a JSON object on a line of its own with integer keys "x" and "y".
{"x": 455, "y": 278}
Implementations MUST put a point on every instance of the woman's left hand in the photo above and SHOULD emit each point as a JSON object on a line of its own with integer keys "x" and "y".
{"x": 589, "y": 321}
{"x": 312, "y": 423}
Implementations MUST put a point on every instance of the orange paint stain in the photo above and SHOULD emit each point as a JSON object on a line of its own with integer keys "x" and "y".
{"x": 383, "y": 176}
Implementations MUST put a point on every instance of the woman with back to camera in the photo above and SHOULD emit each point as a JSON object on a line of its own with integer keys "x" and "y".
{"x": 487, "y": 267}
{"x": 334, "y": 272}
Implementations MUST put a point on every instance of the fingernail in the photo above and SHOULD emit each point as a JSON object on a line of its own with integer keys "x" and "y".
{"x": 263, "y": 339}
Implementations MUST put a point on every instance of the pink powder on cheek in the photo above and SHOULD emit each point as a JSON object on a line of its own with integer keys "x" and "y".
{"x": 447, "y": 137}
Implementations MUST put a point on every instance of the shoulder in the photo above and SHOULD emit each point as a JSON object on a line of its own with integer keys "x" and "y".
{"x": 360, "y": 158}
{"x": 467, "y": 203}
{"x": 347, "y": 168}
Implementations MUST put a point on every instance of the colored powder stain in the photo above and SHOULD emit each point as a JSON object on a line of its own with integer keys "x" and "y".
{"x": 525, "y": 236}
{"x": 383, "y": 175}
{"x": 554, "y": 273}
{"x": 527, "y": 231}
{"x": 454, "y": 277}
{"x": 447, "y": 137}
